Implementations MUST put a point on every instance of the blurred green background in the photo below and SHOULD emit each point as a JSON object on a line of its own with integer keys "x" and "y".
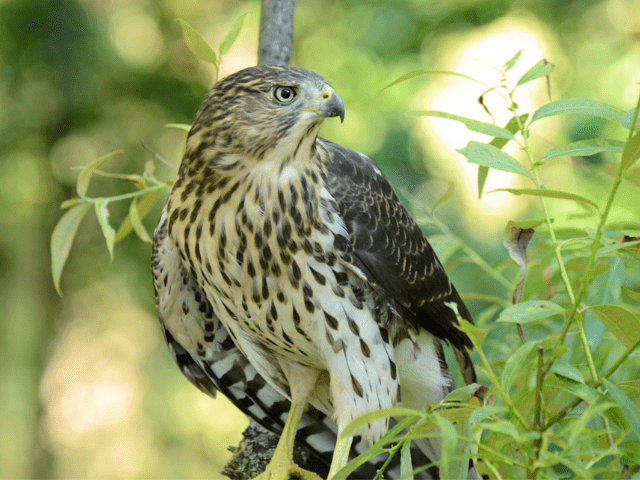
{"x": 87, "y": 387}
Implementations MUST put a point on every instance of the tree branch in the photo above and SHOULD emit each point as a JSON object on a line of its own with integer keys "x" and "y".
{"x": 276, "y": 32}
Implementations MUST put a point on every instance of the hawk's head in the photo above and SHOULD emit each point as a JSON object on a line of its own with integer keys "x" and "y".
{"x": 259, "y": 109}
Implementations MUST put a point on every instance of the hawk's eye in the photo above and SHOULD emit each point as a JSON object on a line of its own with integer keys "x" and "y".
{"x": 284, "y": 94}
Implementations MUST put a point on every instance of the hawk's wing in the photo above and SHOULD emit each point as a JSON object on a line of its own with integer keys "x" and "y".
{"x": 387, "y": 245}
{"x": 226, "y": 369}
{"x": 180, "y": 301}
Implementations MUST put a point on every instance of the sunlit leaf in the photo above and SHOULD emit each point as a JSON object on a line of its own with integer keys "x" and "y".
{"x": 578, "y": 106}
{"x": 512, "y": 61}
{"x": 513, "y": 127}
{"x": 102, "y": 212}
{"x": 628, "y": 118}
{"x": 196, "y": 43}
{"x": 631, "y": 151}
{"x": 475, "y": 334}
{"x": 419, "y": 73}
{"x": 473, "y": 125}
{"x": 136, "y": 223}
{"x": 87, "y": 172}
{"x": 62, "y": 238}
{"x": 143, "y": 207}
{"x": 69, "y": 203}
{"x": 540, "y": 69}
{"x": 178, "y": 126}
{"x": 230, "y": 38}
{"x": 630, "y": 410}
{"x": 547, "y": 193}
{"x": 584, "y": 148}
{"x": 621, "y": 322}
{"x": 492, "y": 157}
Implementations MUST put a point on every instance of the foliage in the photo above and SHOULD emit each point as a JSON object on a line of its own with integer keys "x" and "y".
{"x": 558, "y": 404}
{"x": 149, "y": 187}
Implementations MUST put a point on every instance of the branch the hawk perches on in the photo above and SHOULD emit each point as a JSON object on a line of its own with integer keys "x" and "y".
{"x": 288, "y": 273}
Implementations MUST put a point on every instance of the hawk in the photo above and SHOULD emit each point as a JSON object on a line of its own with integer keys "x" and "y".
{"x": 289, "y": 276}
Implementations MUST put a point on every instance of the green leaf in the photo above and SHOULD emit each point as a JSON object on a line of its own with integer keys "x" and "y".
{"x": 615, "y": 247}
{"x": 518, "y": 363}
{"x": 449, "y": 463}
{"x": 631, "y": 152}
{"x": 584, "y": 148}
{"x": 492, "y": 157}
{"x": 622, "y": 323}
{"x": 102, "y": 212}
{"x": 136, "y": 222}
{"x": 530, "y": 311}
{"x": 62, "y": 238}
{"x": 69, "y": 203}
{"x": 628, "y": 118}
{"x": 635, "y": 384}
{"x": 465, "y": 393}
{"x": 419, "y": 73}
{"x": 406, "y": 465}
{"x": 178, "y": 126}
{"x": 513, "y": 127}
{"x": 540, "y": 69}
{"x": 198, "y": 45}
{"x": 87, "y": 172}
{"x": 567, "y": 371}
{"x": 512, "y": 61}
{"x": 630, "y": 410}
{"x": 481, "y": 413}
{"x": 632, "y": 294}
{"x": 226, "y": 43}
{"x": 143, "y": 207}
{"x": 369, "y": 417}
{"x": 579, "y": 389}
{"x": 475, "y": 334}
{"x": 473, "y": 125}
{"x": 547, "y": 193}
{"x": 579, "y": 106}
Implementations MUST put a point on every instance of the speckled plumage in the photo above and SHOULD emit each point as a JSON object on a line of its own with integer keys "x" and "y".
{"x": 282, "y": 257}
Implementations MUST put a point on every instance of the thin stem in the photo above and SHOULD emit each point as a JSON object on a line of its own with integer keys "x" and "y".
{"x": 126, "y": 196}
{"x": 498, "y": 386}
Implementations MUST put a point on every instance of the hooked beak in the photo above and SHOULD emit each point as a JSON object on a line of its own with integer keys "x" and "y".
{"x": 331, "y": 104}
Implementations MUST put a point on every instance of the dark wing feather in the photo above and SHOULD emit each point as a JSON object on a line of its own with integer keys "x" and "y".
{"x": 389, "y": 247}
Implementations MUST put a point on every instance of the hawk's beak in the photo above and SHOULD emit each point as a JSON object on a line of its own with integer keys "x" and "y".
{"x": 331, "y": 104}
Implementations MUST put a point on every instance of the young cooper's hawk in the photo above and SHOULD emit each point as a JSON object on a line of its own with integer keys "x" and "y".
{"x": 287, "y": 272}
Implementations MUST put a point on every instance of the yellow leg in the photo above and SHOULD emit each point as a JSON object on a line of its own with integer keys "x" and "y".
{"x": 340, "y": 455}
{"x": 281, "y": 466}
